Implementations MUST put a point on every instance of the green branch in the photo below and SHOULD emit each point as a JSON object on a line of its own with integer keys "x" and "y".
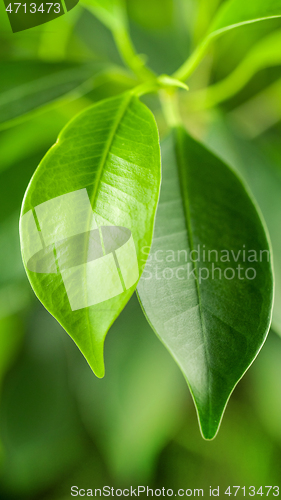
{"x": 184, "y": 72}
{"x": 170, "y": 107}
{"x": 129, "y": 55}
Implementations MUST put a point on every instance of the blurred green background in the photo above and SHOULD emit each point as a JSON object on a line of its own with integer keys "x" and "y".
{"x": 59, "y": 425}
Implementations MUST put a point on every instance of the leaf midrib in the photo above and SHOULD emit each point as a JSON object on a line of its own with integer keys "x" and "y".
{"x": 108, "y": 145}
{"x": 185, "y": 198}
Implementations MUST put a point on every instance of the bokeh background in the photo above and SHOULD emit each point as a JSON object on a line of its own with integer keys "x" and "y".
{"x": 59, "y": 425}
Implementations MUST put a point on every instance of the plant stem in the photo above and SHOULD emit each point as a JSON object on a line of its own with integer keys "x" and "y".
{"x": 169, "y": 101}
{"x": 129, "y": 55}
{"x": 184, "y": 72}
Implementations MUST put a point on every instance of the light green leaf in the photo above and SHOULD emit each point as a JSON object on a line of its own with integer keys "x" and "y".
{"x": 232, "y": 14}
{"x": 207, "y": 307}
{"x": 27, "y": 87}
{"x": 265, "y": 53}
{"x": 104, "y": 171}
{"x": 168, "y": 81}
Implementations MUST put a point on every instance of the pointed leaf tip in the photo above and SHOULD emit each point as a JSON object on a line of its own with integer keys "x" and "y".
{"x": 87, "y": 214}
{"x": 207, "y": 289}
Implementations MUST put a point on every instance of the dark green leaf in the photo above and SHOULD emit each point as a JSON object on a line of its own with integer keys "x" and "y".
{"x": 209, "y": 309}
{"x": 259, "y": 163}
{"x": 27, "y": 86}
{"x": 104, "y": 171}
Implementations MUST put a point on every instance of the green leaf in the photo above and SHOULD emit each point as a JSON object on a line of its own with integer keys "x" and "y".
{"x": 29, "y": 86}
{"x": 168, "y": 81}
{"x": 232, "y": 14}
{"x": 265, "y": 53}
{"x": 103, "y": 171}
{"x": 212, "y": 315}
{"x": 259, "y": 163}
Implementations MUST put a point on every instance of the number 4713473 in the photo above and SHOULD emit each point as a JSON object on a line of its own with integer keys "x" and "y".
{"x": 33, "y": 8}
{"x": 251, "y": 491}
